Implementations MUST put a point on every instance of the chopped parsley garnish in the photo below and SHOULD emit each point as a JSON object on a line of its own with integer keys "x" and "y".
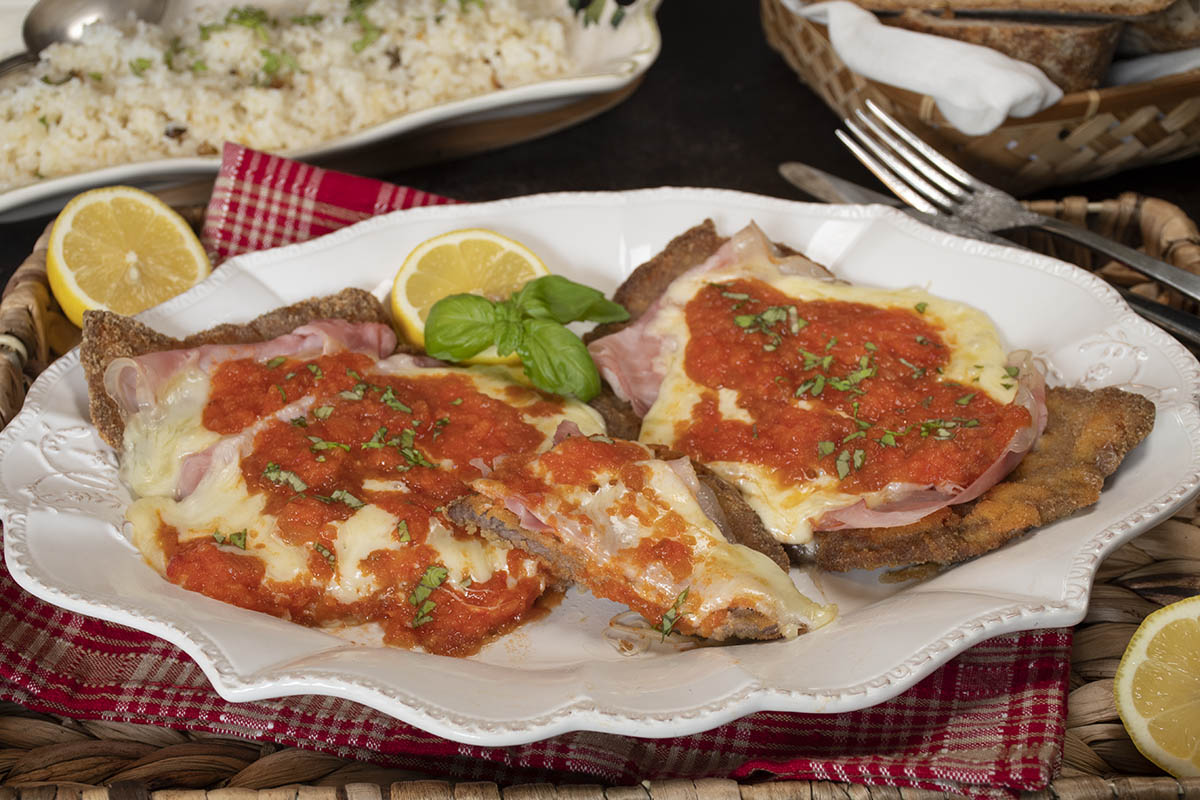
{"x": 667, "y": 625}
{"x": 282, "y": 477}
{"x": 273, "y": 62}
{"x": 370, "y": 31}
{"x": 139, "y": 65}
{"x": 237, "y": 540}
{"x": 921, "y": 340}
{"x": 356, "y": 393}
{"x": 917, "y": 372}
{"x": 276, "y": 361}
{"x": 299, "y": 422}
{"x": 965, "y": 399}
{"x": 456, "y": 401}
{"x": 307, "y": 19}
{"x": 322, "y": 412}
{"x": 377, "y": 439}
{"x": 316, "y": 371}
{"x": 325, "y": 553}
{"x": 439, "y": 425}
{"x": 402, "y": 531}
{"x": 342, "y": 496}
{"x": 321, "y": 444}
{"x": 434, "y": 576}
{"x": 45, "y": 124}
{"x": 282, "y": 393}
{"x": 389, "y": 399}
{"x": 1012, "y": 372}
{"x": 406, "y": 444}
{"x": 825, "y": 448}
{"x": 764, "y": 321}
{"x": 920, "y": 307}
{"x": 843, "y": 464}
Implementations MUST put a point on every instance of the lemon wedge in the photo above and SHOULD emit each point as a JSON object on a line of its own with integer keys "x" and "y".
{"x": 469, "y": 261}
{"x": 1157, "y": 688}
{"x": 121, "y": 249}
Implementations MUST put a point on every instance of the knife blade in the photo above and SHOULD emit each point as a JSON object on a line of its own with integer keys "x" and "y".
{"x": 832, "y": 189}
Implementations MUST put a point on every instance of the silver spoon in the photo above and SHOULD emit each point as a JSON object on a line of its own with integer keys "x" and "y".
{"x": 51, "y": 21}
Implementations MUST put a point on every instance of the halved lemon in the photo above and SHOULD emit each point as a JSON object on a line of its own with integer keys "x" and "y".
{"x": 1157, "y": 688}
{"x": 121, "y": 249}
{"x": 469, "y": 261}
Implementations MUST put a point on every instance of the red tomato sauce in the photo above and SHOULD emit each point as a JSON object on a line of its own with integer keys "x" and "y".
{"x": 836, "y": 388}
{"x": 416, "y": 436}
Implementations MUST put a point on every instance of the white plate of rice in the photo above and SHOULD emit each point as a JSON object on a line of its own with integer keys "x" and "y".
{"x": 151, "y": 105}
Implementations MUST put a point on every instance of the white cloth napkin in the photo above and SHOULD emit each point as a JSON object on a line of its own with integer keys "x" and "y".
{"x": 1147, "y": 68}
{"x": 976, "y": 88}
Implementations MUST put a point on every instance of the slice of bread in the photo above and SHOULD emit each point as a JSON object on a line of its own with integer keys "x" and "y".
{"x": 1115, "y": 9}
{"x": 1074, "y": 55}
{"x": 1176, "y": 28}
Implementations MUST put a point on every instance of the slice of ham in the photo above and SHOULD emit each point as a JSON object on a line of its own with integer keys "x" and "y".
{"x": 193, "y": 467}
{"x": 632, "y": 360}
{"x": 134, "y": 383}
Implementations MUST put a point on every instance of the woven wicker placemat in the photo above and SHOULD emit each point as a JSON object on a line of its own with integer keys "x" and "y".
{"x": 46, "y": 757}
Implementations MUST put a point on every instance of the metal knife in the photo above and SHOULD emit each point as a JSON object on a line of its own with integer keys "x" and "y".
{"x": 832, "y": 189}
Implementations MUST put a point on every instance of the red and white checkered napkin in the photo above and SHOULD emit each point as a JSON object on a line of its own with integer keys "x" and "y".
{"x": 989, "y": 723}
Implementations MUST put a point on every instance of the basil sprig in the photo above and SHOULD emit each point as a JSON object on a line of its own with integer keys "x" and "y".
{"x": 531, "y": 324}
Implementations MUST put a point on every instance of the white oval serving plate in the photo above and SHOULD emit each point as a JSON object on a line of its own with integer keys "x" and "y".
{"x": 62, "y": 503}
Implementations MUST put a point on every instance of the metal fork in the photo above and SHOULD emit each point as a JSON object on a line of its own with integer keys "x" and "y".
{"x": 930, "y": 182}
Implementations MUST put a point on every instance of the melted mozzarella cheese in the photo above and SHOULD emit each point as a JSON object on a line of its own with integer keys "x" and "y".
{"x": 789, "y": 510}
{"x": 467, "y": 559}
{"x": 221, "y": 504}
{"x": 368, "y": 531}
{"x": 157, "y": 437}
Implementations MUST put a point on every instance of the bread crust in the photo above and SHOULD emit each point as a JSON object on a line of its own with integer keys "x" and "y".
{"x": 1116, "y": 9}
{"x": 108, "y": 336}
{"x": 1074, "y": 55}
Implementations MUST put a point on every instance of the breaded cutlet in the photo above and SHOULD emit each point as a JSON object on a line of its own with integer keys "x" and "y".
{"x": 1087, "y": 435}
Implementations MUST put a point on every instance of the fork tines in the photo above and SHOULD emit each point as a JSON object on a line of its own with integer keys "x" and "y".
{"x": 914, "y": 171}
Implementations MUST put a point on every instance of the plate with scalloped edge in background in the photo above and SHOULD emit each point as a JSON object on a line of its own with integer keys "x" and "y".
{"x": 607, "y": 59}
{"x": 62, "y": 502}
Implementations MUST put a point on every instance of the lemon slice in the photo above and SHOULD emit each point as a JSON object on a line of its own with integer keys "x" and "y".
{"x": 1157, "y": 688}
{"x": 469, "y": 261}
{"x": 121, "y": 249}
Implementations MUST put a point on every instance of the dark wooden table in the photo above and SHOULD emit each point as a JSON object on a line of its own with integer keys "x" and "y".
{"x": 719, "y": 108}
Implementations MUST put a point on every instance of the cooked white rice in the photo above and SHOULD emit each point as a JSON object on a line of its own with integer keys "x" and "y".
{"x": 323, "y": 69}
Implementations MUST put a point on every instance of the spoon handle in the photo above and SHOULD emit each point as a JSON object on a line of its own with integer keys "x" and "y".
{"x": 17, "y": 61}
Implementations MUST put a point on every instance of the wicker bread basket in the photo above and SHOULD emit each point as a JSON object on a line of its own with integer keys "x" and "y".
{"x": 1084, "y": 136}
{"x": 45, "y": 757}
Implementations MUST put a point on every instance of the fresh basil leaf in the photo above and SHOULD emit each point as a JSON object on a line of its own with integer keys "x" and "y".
{"x": 557, "y": 361}
{"x": 509, "y": 334}
{"x": 562, "y": 300}
{"x": 459, "y": 326}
